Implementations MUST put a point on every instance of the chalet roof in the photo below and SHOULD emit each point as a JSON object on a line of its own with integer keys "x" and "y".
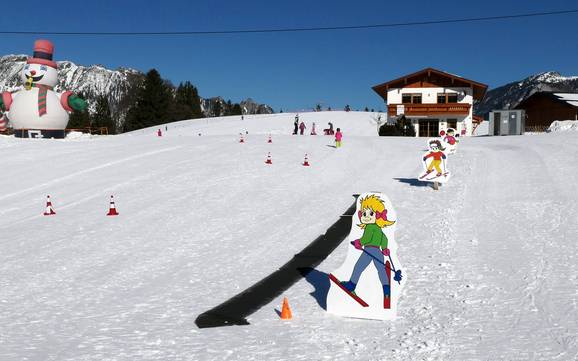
{"x": 433, "y": 76}
{"x": 570, "y": 99}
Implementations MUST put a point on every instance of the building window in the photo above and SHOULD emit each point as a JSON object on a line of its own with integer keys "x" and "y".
{"x": 411, "y": 98}
{"x": 429, "y": 128}
{"x": 452, "y": 123}
{"x": 444, "y": 98}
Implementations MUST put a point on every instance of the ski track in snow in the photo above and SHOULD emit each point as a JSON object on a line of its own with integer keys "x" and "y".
{"x": 490, "y": 258}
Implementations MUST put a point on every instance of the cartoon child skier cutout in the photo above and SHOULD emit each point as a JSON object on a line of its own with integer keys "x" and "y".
{"x": 435, "y": 163}
{"x": 451, "y": 141}
{"x": 359, "y": 289}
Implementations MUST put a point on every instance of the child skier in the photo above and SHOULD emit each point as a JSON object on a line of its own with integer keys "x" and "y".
{"x": 437, "y": 156}
{"x": 302, "y": 128}
{"x": 373, "y": 243}
{"x": 313, "y": 132}
{"x": 338, "y": 136}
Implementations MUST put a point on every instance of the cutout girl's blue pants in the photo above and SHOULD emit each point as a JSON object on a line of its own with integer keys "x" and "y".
{"x": 371, "y": 254}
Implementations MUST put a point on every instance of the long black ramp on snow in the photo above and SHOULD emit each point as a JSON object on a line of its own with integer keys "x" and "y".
{"x": 235, "y": 310}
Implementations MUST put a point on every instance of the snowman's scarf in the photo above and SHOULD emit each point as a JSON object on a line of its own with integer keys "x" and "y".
{"x": 42, "y": 92}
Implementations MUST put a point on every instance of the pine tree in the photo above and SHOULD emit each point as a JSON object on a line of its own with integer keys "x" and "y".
{"x": 102, "y": 116}
{"x": 187, "y": 104}
{"x": 79, "y": 119}
{"x": 217, "y": 109}
{"x": 153, "y": 104}
{"x": 236, "y": 109}
{"x": 228, "y": 107}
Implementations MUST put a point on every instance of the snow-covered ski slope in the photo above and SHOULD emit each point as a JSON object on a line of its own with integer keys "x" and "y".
{"x": 490, "y": 258}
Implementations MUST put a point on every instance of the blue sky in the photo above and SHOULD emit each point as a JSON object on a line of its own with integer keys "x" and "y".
{"x": 295, "y": 71}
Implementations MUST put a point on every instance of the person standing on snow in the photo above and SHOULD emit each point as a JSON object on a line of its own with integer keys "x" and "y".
{"x": 338, "y": 136}
{"x": 302, "y": 127}
{"x": 296, "y": 124}
{"x": 313, "y": 132}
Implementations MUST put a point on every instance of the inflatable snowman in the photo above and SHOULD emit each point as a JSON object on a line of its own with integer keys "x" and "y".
{"x": 37, "y": 111}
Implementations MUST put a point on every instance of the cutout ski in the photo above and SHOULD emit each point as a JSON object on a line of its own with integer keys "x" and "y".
{"x": 435, "y": 163}
{"x": 370, "y": 281}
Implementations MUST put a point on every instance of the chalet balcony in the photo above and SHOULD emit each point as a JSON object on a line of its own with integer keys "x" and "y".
{"x": 430, "y": 109}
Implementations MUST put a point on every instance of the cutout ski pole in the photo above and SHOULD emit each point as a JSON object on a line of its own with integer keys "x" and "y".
{"x": 397, "y": 273}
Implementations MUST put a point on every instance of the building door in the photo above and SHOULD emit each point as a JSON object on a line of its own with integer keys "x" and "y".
{"x": 513, "y": 126}
{"x": 429, "y": 128}
{"x": 497, "y": 121}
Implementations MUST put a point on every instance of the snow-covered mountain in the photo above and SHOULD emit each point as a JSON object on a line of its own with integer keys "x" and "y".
{"x": 118, "y": 85}
{"x": 249, "y": 106}
{"x": 510, "y": 95}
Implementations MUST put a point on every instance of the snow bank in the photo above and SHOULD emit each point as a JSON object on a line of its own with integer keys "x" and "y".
{"x": 563, "y": 126}
{"x": 482, "y": 129}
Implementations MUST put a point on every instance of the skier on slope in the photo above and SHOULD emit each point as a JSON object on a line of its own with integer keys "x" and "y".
{"x": 302, "y": 128}
{"x": 437, "y": 155}
{"x": 313, "y": 131}
{"x": 373, "y": 242}
{"x": 338, "y": 137}
{"x": 296, "y": 124}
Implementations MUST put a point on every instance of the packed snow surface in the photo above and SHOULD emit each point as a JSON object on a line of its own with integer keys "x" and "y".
{"x": 491, "y": 257}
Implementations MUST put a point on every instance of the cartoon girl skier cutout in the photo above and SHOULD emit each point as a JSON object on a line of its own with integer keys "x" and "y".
{"x": 358, "y": 290}
{"x": 451, "y": 141}
{"x": 435, "y": 159}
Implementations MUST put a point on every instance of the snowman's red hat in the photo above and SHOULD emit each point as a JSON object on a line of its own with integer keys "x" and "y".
{"x": 43, "y": 50}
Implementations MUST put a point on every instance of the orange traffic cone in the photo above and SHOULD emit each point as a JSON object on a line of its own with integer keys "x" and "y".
{"x": 306, "y": 162}
{"x": 242, "y": 140}
{"x": 49, "y": 210}
{"x": 270, "y": 140}
{"x": 112, "y": 208}
{"x": 268, "y": 161}
{"x": 286, "y": 310}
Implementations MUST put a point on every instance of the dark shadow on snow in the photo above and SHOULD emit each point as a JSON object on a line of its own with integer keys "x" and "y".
{"x": 414, "y": 182}
{"x": 235, "y": 310}
{"x": 319, "y": 280}
{"x": 331, "y": 146}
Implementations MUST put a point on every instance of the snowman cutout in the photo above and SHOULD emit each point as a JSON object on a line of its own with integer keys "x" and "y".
{"x": 38, "y": 109}
{"x": 370, "y": 281}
